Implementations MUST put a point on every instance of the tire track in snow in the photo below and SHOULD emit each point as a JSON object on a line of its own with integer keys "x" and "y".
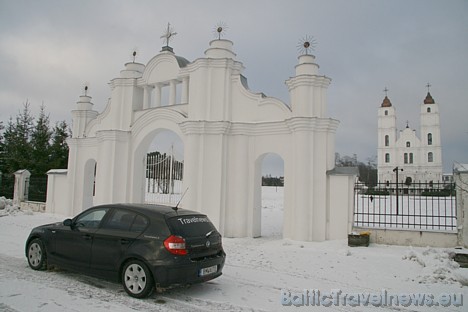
{"x": 85, "y": 287}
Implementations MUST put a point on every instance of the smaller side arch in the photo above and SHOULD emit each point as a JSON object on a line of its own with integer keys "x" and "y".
{"x": 258, "y": 193}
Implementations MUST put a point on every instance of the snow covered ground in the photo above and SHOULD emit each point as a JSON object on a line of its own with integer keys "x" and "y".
{"x": 256, "y": 274}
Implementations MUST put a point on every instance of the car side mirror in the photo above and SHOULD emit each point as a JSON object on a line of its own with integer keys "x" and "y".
{"x": 68, "y": 222}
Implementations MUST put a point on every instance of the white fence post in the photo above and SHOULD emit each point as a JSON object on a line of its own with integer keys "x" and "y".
{"x": 460, "y": 176}
{"x": 20, "y": 186}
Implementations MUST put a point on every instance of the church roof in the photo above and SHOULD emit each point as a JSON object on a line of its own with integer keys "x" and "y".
{"x": 429, "y": 99}
{"x": 386, "y": 102}
{"x": 183, "y": 62}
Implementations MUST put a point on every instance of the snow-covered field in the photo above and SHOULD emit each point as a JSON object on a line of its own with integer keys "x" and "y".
{"x": 256, "y": 274}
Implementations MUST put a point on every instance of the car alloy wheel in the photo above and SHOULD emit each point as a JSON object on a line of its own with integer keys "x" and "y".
{"x": 36, "y": 255}
{"x": 137, "y": 279}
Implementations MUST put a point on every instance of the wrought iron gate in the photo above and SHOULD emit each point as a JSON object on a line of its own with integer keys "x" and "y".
{"x": 163, "y": 179}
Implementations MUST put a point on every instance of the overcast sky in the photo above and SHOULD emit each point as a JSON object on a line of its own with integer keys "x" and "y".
{"x": 50, "y": 49}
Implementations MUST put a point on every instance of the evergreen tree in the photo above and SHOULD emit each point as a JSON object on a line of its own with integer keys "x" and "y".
{"x": 17, "y": 148}
{"x": 40, "y": 144}
{"x": 59, "y": 146}
{"x": 2, "y": 155}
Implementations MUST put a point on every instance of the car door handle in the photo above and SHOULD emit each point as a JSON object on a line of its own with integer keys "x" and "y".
{"x": 87, "y": 237}
{"x": 124, "y": 241}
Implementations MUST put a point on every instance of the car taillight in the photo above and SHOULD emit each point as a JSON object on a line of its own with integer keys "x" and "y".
{"x": 175, "y": 245}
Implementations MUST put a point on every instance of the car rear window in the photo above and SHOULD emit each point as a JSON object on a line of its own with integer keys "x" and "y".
{"x": 191, "y": 226}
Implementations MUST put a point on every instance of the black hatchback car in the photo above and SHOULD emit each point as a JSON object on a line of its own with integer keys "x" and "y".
{"x": 142, "y": 246}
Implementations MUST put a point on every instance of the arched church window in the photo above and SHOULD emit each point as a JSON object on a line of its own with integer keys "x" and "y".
{"x": 408, "y": 144}
{"x": 405, "y": 158}
{"x": 387, "y": 140}
{"x": 386, "y": 113}
{"x": 410, "y": 158}
{"x": 429, "y": 139}
{"x": 387, "y": 157}
{"x": 428, "y": 109}
{"x": 430, "y": 157}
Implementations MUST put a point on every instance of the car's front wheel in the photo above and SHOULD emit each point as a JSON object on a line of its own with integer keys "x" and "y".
{"x": 137, "y": 280}
{"x": 37, "y": 257}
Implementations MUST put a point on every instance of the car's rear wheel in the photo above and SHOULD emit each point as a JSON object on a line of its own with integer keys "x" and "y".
{"x": 37, "y": 257}
{"x": 137, "y": 280}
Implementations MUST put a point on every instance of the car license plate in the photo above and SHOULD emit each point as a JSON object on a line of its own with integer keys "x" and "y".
{"x": 208, "y": 270}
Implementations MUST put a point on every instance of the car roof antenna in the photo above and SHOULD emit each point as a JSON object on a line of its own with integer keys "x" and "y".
{"x": 182, "y": 197}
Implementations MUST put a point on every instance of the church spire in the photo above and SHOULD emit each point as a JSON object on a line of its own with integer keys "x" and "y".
{"x": 386, "y": 102}
{"x": 428, "y": 99}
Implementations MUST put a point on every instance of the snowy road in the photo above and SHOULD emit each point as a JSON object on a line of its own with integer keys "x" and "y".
{"x": 255, "y": 273}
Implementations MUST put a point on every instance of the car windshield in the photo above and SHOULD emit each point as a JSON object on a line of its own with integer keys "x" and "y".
{"x": 191, "y": 226}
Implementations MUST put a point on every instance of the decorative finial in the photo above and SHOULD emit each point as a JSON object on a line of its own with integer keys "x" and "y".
{"x": 428, "y": 87}
{"x": 85, "y": 88}
{"x": 168, "y": 34}
{"x": 134, "y": 53}
{"x": 220, "y": 30}
{"x": 307, "y": 43}
{"x": 407, "y": 124}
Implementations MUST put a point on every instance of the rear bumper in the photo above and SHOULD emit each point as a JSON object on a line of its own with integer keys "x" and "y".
{"x": 186, "y": 271}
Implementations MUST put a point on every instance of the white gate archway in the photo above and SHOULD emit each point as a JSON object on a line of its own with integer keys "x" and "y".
{"x": 225, "y": 129}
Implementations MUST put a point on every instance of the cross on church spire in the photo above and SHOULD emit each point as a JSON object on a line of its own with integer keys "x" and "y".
{"x": 385, "y": 90}
{"x": 428, "y": 86}
{"x": 168, "y": 34}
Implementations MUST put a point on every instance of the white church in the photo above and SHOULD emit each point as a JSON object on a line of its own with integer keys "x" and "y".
{"x": 419, "y": 159}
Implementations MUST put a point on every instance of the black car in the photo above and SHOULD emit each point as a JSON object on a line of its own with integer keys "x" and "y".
{"x": 142, "y": 246}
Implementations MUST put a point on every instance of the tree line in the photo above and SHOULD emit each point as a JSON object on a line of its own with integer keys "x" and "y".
{"x": 367, "y": 171}
{"x": 28, "y": 142}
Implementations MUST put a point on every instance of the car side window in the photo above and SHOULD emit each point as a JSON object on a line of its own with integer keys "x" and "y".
{"x": 124, "y": 220}
{"x": 139, "y": 224}
{"x": 91, "y": 219}
{"x": 120, "y": 220}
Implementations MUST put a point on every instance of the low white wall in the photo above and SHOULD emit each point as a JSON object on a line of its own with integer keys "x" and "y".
{"x": 33, "y": 206}
{"x": 410, "y": 237}
{"x": 57, "y": 192}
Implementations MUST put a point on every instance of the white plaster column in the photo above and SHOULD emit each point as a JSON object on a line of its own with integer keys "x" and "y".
{"x": 147, "y": 90}
{"x": 21, "y": 176}
{"x": 185, "y": 90}
{"x": 172, "y": 92}
{"x": 157, "y": 95}
{"x": 113, "y": 147}
{"x": 238, "y": 215}
{"x": 300, "y": 212}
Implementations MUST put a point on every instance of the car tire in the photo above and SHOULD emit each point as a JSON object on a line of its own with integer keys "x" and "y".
{"x": 137, "y": 279}
{"x": 37, "y": 256}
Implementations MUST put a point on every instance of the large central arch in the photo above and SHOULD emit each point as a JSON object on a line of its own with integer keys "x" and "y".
{"x": 145, "y": 129}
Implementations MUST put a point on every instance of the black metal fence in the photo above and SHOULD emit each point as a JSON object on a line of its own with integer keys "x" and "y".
{"x": 419, "y": 206}
{"x": 36, "y": 188}
{"x": 7, "y": 186}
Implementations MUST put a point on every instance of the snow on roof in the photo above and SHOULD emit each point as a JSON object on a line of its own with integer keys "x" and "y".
{"x": 457, "y": 167}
